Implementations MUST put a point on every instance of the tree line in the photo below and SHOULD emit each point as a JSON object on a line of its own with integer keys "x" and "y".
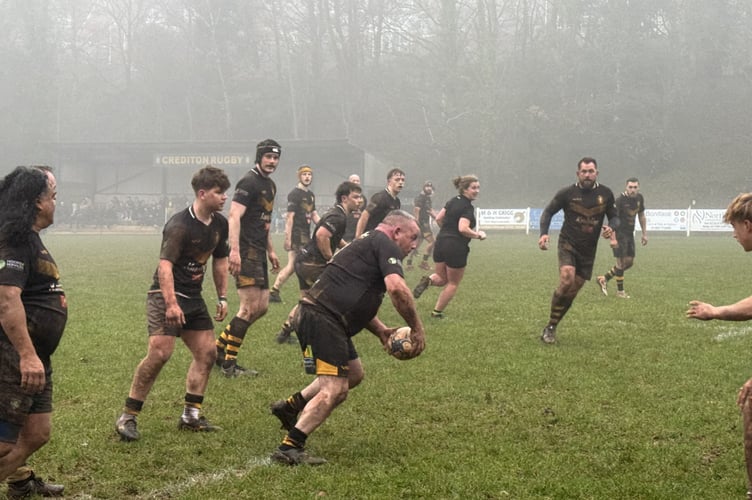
{"x": 512, "y": 90}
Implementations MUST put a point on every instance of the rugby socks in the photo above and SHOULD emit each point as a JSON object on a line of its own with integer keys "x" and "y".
{"x": 133, "y": 406}
{"x": 192, "y": 406}
{"x": 231, "y": 338}
{"x": 23, "y": 473}
{"x": 619, "y": 279}
{"x": 294, "y": 439}
{"x": 559, "y": 307}
{"x": 297, "y": 402}
{"x": 611, "y": 273}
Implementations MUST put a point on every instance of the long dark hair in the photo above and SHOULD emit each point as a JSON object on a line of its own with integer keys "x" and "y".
{"x": 19, "y": 192}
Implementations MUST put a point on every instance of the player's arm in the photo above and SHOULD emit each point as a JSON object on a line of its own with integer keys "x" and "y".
{"x": 324, "y": 242}
{"x": 643, "y": 227}
{"x": 271, "y": 255}
{"x": 468, "y": 232}
{"x": 608, "y": 231}
{"x": 315, "y": 217}
{"x": 173, "y": 314}
{"x": 362, "y": 222}
{"x": 289, "y": 218}
{"x": 219, "y": 273}
{"x": 440, "y": 217}
{"x": 545, "y": 219}
{"x": 378, "y": 328}
{"x": 416, "y": 211}
{"x": 237, "y": 210}
{"x": 13, "y": 321}
{"x": 403, "y": 302}
{"x": 740, "y": 311}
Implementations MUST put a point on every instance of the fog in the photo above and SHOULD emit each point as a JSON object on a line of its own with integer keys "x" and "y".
{"x": 515, "y": 91}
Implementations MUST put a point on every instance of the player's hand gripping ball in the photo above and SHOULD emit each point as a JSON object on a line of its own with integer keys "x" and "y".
{"x": 400, "y": 344}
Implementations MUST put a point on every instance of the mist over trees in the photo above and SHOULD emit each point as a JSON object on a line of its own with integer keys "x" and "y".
{"x": 513, "y": 90}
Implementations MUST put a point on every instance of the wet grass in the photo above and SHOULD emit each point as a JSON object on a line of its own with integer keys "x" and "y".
{"x": 634, "y": 401}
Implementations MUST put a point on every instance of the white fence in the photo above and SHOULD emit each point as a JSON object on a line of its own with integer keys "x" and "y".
{"x": 686, "y": 220}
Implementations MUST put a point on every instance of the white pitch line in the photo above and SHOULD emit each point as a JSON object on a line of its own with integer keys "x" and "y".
{"x": 174, "y": 489}
{"x": 732, "y": 333}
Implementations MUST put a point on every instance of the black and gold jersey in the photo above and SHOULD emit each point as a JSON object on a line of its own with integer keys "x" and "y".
{"x": 188, "y": 243}
{"x": 424, "y": 204}
{"x": 31, "y": 268}
{"x": 301, "y": 203}
{"x": 584, "y": 212}
{"x": 381, "y": 204}
{"x": 459, "y": 207}
{"x": 352, "y": 285}
{"x": 335, "y": 222}
{"x": 628, "y": 208}
{"x": 256, "y": 193}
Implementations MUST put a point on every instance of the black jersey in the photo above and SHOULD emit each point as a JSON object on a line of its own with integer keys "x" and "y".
{"x": 256, "y": 193}
{"x": 459, "y": 207}
{"x": 628, "y": 208}
{"x": 301, "y": 203}
{"x": 424, "y": 204}
{"x": 31, "y": 268}
{"x": 352, "y": 221}
{"x": 381, "y": 204}
{"x": 584, "y": 210}
{"x": 352, "y": 284}
{"x": 187, "y": 243}
{"x": 335, "y": 222}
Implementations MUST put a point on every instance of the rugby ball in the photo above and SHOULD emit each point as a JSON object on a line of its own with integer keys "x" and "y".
{"x": 400, "y": 343}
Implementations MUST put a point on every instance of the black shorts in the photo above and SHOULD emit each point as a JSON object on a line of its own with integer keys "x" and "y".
{"x": 308, "y": 273}
{"x": 254, "y": 269}
{"x": 196, "y": 315}
{"x": 582, "y": 262}
{"x": 17, "y": 404}
{"x": 626, "y": 246}
{"x": 426, "y": 231}
{"x": 330, "y": 346}
{"x": 451, "y": 251}
{"x": 299, "y": 239}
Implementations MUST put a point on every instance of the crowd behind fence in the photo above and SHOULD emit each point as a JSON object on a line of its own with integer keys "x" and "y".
{"x": 129, "y": 212}
{"x": 132, "y": 211}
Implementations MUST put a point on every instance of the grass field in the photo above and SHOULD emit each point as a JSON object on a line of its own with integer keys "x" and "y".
{"x": 634, "y": 402}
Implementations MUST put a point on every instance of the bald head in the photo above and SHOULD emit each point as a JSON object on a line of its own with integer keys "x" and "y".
{"x": 402, "y": 228}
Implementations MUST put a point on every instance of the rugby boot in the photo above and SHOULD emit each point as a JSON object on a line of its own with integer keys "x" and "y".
{"x": 32, "y": 486}
{"x": 548, "y": 336}
{"x": 126, "y": 428}
{"x": 199, "y": 424}
{"x": 296, "y": 456}
{"x": 285, "y": 413}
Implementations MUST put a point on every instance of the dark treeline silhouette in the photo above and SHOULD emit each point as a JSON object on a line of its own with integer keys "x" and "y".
{"x": 515, "y": 91}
